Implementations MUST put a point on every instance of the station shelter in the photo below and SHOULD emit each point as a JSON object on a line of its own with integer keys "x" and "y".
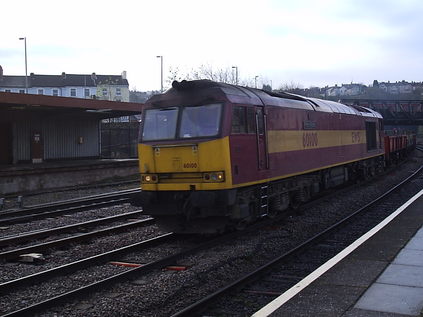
{"x": 40, "y": 128}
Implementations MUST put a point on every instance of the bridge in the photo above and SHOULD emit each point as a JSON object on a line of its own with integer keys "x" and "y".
{"x": 397, "y": 114}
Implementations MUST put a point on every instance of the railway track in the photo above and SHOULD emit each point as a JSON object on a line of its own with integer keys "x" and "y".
{"x": 77, "y": 238}
{"x": 125, "y": 281}
{"x": 38, "y": 234}
{"x": 137, "y": 271}
{"x": 36, "y": 212}
{"x": 9, "y": 287}
{"x": 70, "y": 189}
{"x": 273, "y": 278}
{"x": 70, "y": 268}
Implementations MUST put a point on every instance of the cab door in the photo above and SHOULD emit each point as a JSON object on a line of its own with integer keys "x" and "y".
{"x": 262, "y": 154}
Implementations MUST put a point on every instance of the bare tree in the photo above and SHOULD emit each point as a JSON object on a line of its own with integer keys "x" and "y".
{"x": 174, "y": 74}
{"x": 223, "y": 75}
{"x": 292, "y": 86}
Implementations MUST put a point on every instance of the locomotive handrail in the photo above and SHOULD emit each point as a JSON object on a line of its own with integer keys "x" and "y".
{"x": 173, "y": 145}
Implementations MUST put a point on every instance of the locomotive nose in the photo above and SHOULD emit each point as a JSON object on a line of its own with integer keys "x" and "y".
{"x": 183, "y": 158}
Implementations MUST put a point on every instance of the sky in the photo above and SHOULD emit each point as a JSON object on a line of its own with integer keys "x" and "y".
{"x": 301, "y": 42}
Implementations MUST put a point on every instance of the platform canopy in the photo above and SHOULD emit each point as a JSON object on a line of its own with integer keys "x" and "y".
{"x": 41, "y": 103}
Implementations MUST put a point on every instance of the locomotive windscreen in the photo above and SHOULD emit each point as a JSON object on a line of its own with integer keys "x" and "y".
{"x": 194, "y": 122}
{"x": 160, "y": 124}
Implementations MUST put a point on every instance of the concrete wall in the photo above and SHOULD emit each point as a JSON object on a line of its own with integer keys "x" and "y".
{"x": 41, "y": 177}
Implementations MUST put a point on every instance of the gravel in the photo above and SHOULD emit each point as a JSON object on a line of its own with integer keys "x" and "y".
{"x": 162, "y": 293}
{"x": 71, "y": 253}
{"x": 60, "y": 285}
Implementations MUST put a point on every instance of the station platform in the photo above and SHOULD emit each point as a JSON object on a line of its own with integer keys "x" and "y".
{"x": 26, "y": 178}
{"x": 382, "y": 275}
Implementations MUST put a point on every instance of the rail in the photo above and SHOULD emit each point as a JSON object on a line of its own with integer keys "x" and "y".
{"x": 200, "y": 305}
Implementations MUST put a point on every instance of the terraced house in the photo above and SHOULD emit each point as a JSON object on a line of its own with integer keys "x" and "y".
{"x": 88, "y": 86}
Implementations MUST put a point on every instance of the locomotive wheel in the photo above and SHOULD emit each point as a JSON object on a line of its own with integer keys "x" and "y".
{"x": 273, "y": 208}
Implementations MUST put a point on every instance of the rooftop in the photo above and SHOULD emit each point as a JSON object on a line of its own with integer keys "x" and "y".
{"x": 63, "y": 80}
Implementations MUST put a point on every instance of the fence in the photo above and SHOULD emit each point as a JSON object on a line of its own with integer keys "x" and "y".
{"x": 119, "y": 139}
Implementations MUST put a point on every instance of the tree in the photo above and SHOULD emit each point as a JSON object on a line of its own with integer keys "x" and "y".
{"x": 267, "y": 87}
{"x": 174, "y": 74}
{"x": 223, "y": 75}
{"x": 290, "y": 87}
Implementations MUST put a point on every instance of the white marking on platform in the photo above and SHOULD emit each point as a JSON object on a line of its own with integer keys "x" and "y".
{"x": 294, "y": 290}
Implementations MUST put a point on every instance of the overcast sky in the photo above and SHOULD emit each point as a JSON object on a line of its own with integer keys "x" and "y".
{"x": 312, "y": 43}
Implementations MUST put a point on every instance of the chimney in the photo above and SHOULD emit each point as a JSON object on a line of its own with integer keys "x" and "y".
{"x": 94, "y": 78}
{"x": 63, "y": 75}
{"x": 124, "y": 74}
{"x": 1, "y": 73}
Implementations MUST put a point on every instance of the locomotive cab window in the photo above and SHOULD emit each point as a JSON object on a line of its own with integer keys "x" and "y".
{"x": 251, "y": 127}
{"x": 243, "y": 120}
{"x": 160, "y": 124}
{"x": 260, "y": 121}
{"x": 181, "y": 122}
{"x": 239, "y": 122}
{"x": 200, "y": 121}
{"x": 371, "y": 135}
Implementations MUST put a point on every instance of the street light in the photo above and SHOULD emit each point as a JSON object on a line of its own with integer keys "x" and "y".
{"x": 26, "y": 66}
{"x": 161, "y": 72}
{"x": 255, "y": 81}
{"x": 236, "y": 74}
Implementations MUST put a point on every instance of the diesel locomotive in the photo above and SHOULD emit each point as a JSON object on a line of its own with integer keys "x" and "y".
{"x": 214, "y": 156}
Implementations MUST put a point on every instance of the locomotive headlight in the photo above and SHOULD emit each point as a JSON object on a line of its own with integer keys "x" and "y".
{"x": 214, "y": 177}
{"x": 149, "y": 178}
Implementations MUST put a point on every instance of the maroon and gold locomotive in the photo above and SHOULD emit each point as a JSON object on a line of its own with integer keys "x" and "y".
{"x": 214, "y": 155}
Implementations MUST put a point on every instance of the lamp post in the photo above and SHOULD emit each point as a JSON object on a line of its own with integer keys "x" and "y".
{"x": 26, "y": 66}
{"x": 161, "y": 72}
{"x": 236, "y": 74}
{"x": 255, "y": 81}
